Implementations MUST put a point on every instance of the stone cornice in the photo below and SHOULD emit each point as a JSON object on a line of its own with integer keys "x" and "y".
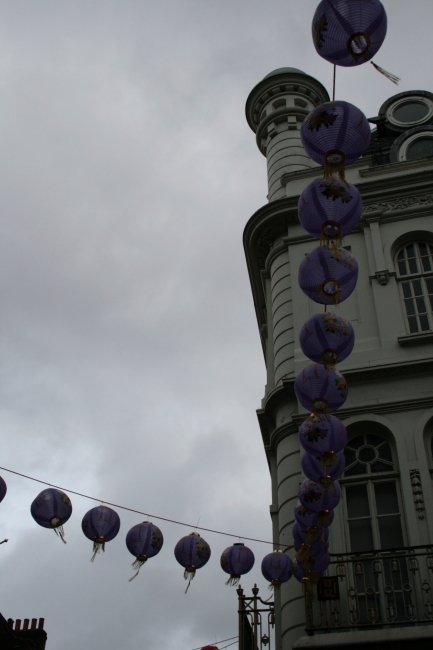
{"x": 272, "y": 433}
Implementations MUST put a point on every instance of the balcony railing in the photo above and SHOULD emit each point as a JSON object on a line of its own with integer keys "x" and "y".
{"x": 373, "y": 589}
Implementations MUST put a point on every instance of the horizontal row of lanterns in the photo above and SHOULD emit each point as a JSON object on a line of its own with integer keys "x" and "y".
{"x": 335, "y": 134}
{"x": 52, "y": 508}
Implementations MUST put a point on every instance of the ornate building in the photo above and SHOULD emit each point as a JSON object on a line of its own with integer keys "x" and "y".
{"x": 382, "y": 537}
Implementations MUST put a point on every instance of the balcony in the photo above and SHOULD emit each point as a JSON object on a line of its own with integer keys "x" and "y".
{"x": 373, "y": 599}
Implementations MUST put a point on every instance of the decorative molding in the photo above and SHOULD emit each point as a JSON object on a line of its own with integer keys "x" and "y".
{"x": 416, "y": 339}
{"x": 382, "y": 276}
{"x": 400, "y": 204}
{"x": 418, "y": 498}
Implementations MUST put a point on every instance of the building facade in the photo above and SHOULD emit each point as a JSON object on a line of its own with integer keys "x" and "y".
{"x": 381, "y": 540}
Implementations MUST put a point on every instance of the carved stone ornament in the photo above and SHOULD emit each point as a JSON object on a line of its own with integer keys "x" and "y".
{"x": 382, "y": 277}
{"x": 417, "y": 493}
{"x": 400, "y": 204}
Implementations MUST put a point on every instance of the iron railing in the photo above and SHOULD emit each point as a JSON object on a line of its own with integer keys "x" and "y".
{"x": 373, "y": 589}
{"x": 256, "y": 621}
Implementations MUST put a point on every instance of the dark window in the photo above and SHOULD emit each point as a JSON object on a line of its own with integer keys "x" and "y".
{"x": 416, "y": 259}
{"x": 420, "y": 148}
{"x": 410, "y": 111}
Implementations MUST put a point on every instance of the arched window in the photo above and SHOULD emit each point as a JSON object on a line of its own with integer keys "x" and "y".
{"x": 414, "y": 264}
{"x": 371, "y": 490}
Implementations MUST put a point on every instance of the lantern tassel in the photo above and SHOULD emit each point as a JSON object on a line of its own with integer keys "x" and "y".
{"x": 327, "y": 483}
{"x": 189, "y": 574}
{"x": 274, "y": 585}
{"x": 386, "y": 74}
{"x": 334, "y": 165}
{"x": 307, "y": 588}
{"x": 97, "y": 546}
{"x": 312, "y": 534}
{"x": 137, "y": 564}
{"x": 327, "y": 459}
{"x": 61, "y": 533}
{"x": 323, "y": 518}
{"x": 233, "y": 580}
{"x": 303, "y": 555}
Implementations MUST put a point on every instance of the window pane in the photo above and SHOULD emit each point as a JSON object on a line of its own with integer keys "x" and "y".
{"x": 386, "y": 498}
{"x": 361, "y": 536}
{"x": 385, "y": 452}
{"x": 416, "y": 286}
{"x": 350, "y": 456}
{"x": 402, "y": 268}
{"x": 420, "y": 305}
{"x": 381, "y": 467}
{"x": 413, "y": 325}
{"x": 407, "y": 293}
{"x": 357, "y": 501}
{"x": 356, "y": 469}
{"x": 374, "y": 440}
{"x": 391, "y": 535}
{"x": 423, "y": 321}
{"x": 355, "y": 443}
{"x": 423, "y": 249}
{"x": 410, "y": 307}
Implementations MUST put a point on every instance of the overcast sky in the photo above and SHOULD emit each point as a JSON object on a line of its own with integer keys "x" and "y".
{"x": 131, "y": 360}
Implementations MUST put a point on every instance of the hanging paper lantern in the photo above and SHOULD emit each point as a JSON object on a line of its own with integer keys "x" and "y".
{"x": 51, "y": 509}
{"x": 101, "y": 524}
{"x": 317, "y": 496}
{"x": 331, "y": 465}
{"x": 307, "y": 518}
{"x": 328, "y": 276}
{"x": 192, "y": 552}
{"x": 310, "y": 535}
{"x": 237, "y": 560}
{"x": 143, "y": 540}
{"x": 335, "y": 134}
{"x": 319, "y": 390}
{"x": 319, "y": 434}
{"x": 349, "y": 32}
{"x": 3, "y": 489}
{"x": 329, "y": 209}
{"x": 277, "y": 567}
{"x": 327, "y": 338}
{"x": 317, "y": 566}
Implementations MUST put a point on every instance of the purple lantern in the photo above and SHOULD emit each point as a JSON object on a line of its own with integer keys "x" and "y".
{"x": 329, "y": 209}
{"x": 101, "y": 524}
{"x": 277, "y": 567}
{"x": 319, "y": 390}
{"x": 328, "y": 276}
{"x": 319, "y": 496}
{"x": 143, "y": 540}
{"x": 332, "y": 465}
{"x": 51, "y": 509}
{"x": 319, "y": 434}
{"x": 3, "y": 489}
{"x": 327, "y": 338}
{"x": 307, "y": 549}
{"x": 318, "y": 566}
{"x": 307, "y": 518}
{"x": 349, "y": 32}
{"x": 334, "y": 135}
{"x": 192, "y": 552}
{"x": 237, "y": 560}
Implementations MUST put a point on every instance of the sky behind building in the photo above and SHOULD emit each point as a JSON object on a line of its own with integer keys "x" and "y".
{"x": 131, "y": 361}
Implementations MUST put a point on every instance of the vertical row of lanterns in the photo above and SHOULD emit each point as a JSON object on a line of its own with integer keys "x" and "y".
{"x": 335, "y": 134}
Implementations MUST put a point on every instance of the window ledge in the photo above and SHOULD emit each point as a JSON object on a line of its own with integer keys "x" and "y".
{"x": 415, "y": 339}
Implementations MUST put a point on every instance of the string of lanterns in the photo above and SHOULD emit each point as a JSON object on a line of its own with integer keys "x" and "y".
{"x": 334, "y": 134}
{"x": 52, "y": 509}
